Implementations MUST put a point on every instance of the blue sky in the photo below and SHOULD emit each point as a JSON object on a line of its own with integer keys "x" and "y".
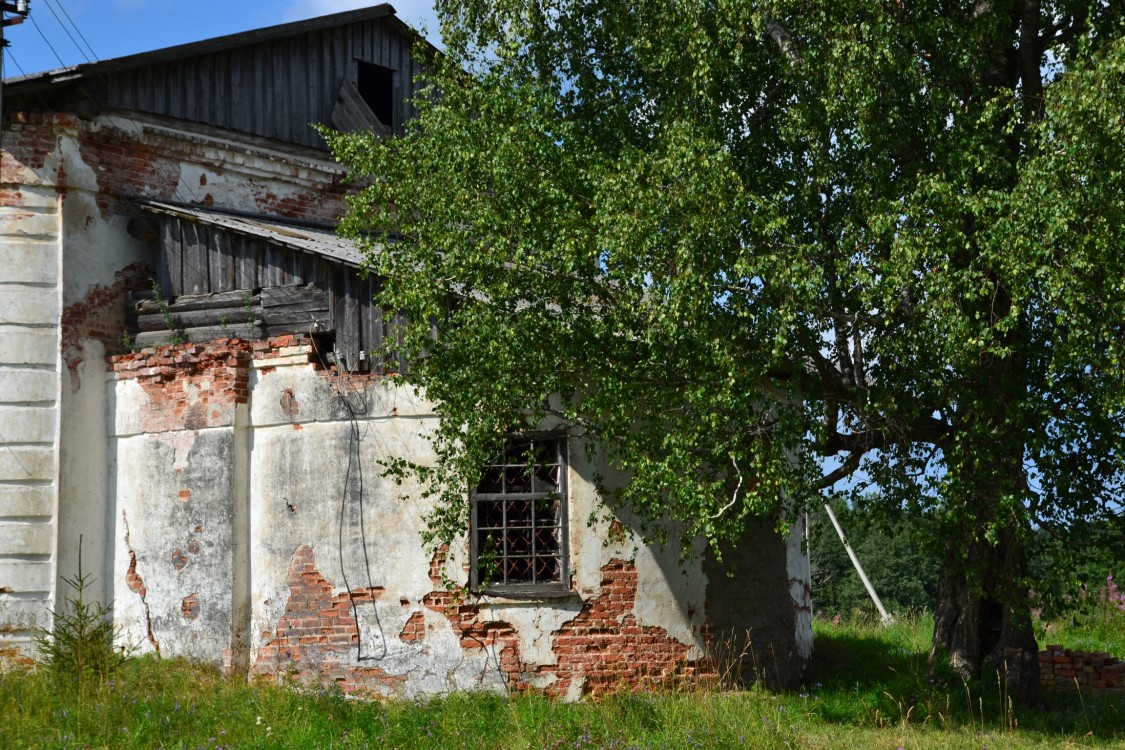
{"x": 113, "y": 28}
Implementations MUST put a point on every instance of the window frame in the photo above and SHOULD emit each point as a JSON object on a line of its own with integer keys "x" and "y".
{"x": 534, "y": 590}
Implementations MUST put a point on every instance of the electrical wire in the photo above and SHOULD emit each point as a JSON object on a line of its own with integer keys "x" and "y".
{"x": 47, "y": 41}
{"x": 15, "y": 62}
{"x": 355, "y": 460}
{"x": 76, "y": 29}
{"x": 67, "y": 31}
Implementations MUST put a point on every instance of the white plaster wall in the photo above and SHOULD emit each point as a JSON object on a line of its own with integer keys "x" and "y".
{"x": 262, "y": 483}
{"x": 29, "y": 395}
{"x": 296, "y": 443}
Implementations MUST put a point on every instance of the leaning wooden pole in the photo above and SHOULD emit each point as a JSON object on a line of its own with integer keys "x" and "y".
{"x": 887, "y": 618}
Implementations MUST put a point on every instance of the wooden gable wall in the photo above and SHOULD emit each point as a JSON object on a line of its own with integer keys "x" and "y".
{"x": 275, "y": 88}
{"x": 213, "y": 283}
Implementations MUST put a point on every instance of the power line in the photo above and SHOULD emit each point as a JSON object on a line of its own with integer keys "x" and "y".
{"x": 8, "y": 52}
{"x": 81, "y": 51}
{"x": 77, "y": 30}
{"x": 47, "y": 41}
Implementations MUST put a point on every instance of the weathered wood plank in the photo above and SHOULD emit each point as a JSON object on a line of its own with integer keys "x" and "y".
{"x": 301, "y": 296}
{"x": 346, "y": 319}
{"x": 269, "y": 268}
{"x": 217, "y": 317}
{"x": 195, "y": 260}
{"x": 166, "y": 258}
{"x": 221, "y": 261}
{"x": 206, "y": 333}
{"x": 297, "y": 321}
{"x": 372, "y": 325}
{"x": 187, "y": 302}
{"x": 245, "y": 262}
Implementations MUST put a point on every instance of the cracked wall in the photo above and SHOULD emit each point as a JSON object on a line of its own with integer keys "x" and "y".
{"x": 198, "y": 476}
{"x": 338, "y": 586}
{"x": 66, "y": 258}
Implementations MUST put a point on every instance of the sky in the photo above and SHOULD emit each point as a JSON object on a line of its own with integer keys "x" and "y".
{"x": 60, "y": 33}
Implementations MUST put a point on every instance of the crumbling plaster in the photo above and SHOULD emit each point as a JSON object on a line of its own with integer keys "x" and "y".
{"x": 67, "y": 186}
{"x": 217, "y": 490}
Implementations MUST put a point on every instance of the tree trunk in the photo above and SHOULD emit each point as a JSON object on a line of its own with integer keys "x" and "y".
{"x": 983, "y": 621}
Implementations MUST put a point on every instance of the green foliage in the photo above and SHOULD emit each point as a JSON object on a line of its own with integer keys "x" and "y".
{"x": 79, "y": 648}
{"x": 897, "y": 554}
{"x": 175, "y": 330}
{"x": 721, "y": 240}
{"x": 1070, "y": 568}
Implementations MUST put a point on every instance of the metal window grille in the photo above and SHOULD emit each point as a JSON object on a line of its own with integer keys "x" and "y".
{"x": 519, "y": 518}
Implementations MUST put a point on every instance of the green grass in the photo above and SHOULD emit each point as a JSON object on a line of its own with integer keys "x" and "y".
{"x": 868, "y": 688}
{"x": 1093, "y": 625}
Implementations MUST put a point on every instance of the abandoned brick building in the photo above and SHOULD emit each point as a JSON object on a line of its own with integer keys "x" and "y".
{"x": 221, "y": 464}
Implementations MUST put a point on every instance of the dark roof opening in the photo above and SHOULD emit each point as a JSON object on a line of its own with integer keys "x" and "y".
{"x": 376, "y": 85}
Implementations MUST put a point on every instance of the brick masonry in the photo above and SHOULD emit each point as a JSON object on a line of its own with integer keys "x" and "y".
{"x": 604, "y": 648}
{"x": 1063, "y": 669}
{"x": 611, "y": 652}
{"x": 189, "y": 386}
{"x": 100, "y": 315}
{"x": 315, "y": 636}
{"x": 194, "y": 386}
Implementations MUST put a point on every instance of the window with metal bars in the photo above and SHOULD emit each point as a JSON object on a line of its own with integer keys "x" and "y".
{"x": 518, "y": 535}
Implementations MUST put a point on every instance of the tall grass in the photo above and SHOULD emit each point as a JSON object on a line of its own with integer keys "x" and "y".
{"x": 868, "y": 687}
{"x": 1095, "y": 621}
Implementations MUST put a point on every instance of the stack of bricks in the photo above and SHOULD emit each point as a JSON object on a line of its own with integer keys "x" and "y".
{"x": 1063, "y": 669}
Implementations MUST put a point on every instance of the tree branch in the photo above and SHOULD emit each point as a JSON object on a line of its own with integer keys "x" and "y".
{"x": 846, "y": 469}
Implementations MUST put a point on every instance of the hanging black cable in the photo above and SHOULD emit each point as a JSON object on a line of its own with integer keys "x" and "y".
{"x": 355, "y": 460}
{"x": 15, "y": 62}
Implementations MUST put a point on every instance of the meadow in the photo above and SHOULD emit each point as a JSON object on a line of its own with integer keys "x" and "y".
{"x": 867, "y": 687}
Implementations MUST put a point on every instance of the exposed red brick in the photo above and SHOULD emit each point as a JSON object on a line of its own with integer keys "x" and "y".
{"x": 415, "y": 628}
{"x": 1063, "y": 669}
{"x": 610, "y": 651}
{"x": 100, "y": 316}
{"x": 133, "y": 579}
{"x": 604, "y": 646}
{"x": 190, "y": 386}
{"x": 315, "y": 635}
{"x": 289, "y": 406}
{"x": 189, "y": 608}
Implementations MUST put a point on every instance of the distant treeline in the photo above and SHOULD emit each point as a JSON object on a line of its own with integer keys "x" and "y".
{"x": 901, "y": 555}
